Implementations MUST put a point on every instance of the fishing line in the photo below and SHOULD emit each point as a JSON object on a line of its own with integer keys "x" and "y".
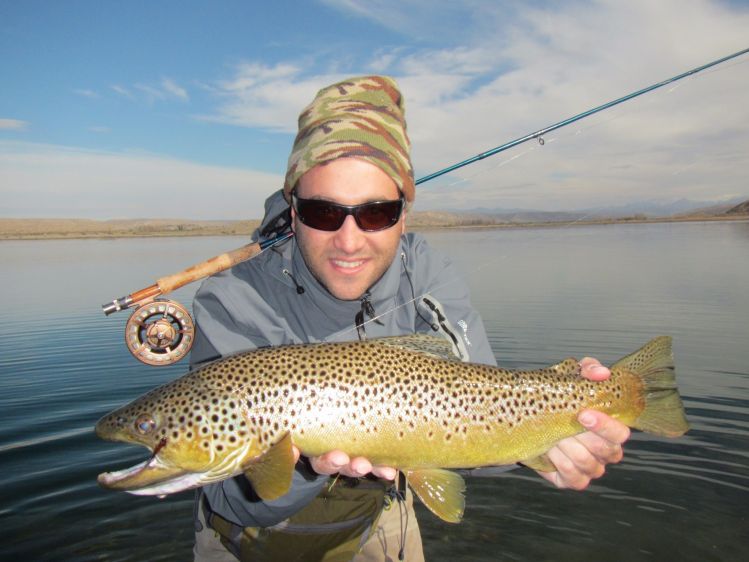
{"x": 543, "y": 140}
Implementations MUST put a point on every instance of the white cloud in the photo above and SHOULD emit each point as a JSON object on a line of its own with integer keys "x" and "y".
{"x": 164, "y": 90}
{"x": 13, "y": 125}
{"x": 86, "y": 93}
{"x": 54, "y": 181}
{"x": 151, "y": 93}
{"x": 171, "y": 87}
{"x": 421, "y": 20}
{"x": 122, "y": 91}
{"x": 268, "y": 97}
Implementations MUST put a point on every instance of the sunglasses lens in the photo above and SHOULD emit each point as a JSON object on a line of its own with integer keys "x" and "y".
{"x": 320, "y": 215}
{"x": 378, "y": 216}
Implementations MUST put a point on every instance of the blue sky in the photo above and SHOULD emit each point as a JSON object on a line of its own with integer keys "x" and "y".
{"x": 188, "y": 109}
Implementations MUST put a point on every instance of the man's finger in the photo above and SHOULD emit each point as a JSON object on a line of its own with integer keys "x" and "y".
{"x": 592, "y": 369}
{"x": 604, "y": 426}
{"x": 329, "y": 463}
{"x": 358, "y": 466}
{"x": 384, "y": 472}
{"x": 602, "y": 449}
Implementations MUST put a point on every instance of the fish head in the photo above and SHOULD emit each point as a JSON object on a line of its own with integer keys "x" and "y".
{"x": 187, "y": 433}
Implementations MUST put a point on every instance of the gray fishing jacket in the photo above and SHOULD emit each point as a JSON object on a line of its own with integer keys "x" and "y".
{"x": 273, "y": 299}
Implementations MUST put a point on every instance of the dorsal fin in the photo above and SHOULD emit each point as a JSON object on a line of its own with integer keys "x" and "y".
{"x": 654, "y": 356}
{"x": 569, "y": 366}
{"x": 436, "y": 347}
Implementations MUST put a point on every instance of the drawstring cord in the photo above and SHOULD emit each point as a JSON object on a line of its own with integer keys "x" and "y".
{"x": 397, "y": 493}
{"x": 432, "y": 325}
{"x": 299, "y": 288}
{"x": 368, "y": 309}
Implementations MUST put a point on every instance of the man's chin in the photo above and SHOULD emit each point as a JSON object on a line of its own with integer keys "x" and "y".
{"x": 346, "y": 292}
{"x": 347, "y": 289}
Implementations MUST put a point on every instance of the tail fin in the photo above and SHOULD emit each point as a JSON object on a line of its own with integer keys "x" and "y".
{"x": 654, "y": 364}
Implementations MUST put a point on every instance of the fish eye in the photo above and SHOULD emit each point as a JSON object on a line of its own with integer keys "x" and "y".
{"x": 144, "y": 424}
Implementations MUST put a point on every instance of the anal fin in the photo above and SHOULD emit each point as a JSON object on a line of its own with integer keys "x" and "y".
{"x": 540, "y": 463}
{"x": 441, "y": 491}
{"x": 270, "y": 474}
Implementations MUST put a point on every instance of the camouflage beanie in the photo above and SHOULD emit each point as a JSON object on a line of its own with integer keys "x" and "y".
{"x": 360, "y": 117}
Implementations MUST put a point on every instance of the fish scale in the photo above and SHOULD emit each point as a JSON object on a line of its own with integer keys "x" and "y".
{"x": 405, "y": 402}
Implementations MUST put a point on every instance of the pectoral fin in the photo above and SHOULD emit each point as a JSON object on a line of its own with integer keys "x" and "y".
{"x": 271, "y": 472}
{"x": 540, "y": 463}
{"x": 441, "y": 491}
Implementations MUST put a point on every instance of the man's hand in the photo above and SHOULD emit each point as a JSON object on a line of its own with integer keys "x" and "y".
{"x": 338, "y": 462}
{"x": 582, "y": 458}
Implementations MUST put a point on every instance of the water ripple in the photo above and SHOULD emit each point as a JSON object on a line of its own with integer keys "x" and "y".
{"x": 33, "y": 442}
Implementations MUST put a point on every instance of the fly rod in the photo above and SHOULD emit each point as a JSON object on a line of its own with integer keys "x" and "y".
{"x": 161, "y": 332}
{"x": 539, "y": 134}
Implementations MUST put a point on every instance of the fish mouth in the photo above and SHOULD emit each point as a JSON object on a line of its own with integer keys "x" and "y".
{"x": 122, "y": 479}
{"x": 152, "y": 477}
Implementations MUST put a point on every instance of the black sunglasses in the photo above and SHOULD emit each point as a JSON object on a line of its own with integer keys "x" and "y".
{"x": 326, "y": 215}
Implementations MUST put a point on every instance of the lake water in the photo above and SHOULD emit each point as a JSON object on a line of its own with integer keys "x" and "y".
{"x": 544, "y": 294}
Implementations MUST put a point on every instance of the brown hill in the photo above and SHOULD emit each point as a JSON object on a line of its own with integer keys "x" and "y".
{"x": 20, "y": 229}
{"x": 422, "y": 219}
{"x": 740, "y": 209}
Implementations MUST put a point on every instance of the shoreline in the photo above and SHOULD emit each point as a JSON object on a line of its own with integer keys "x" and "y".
{"x": 245, "y": 228}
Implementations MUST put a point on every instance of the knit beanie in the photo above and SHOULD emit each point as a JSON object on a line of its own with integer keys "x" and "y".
{"x": 361, "y": 117}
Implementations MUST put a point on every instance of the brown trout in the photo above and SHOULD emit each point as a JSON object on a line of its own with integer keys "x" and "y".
{"x": 404, "y": 401}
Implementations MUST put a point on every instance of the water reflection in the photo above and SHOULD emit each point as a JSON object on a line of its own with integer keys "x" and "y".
{"x": 544, "y": 294}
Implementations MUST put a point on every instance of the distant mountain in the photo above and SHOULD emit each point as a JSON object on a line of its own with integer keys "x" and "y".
{"x": 644, "y": 209}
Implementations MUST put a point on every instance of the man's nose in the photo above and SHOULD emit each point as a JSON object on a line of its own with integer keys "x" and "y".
{"x": 349, "y": 238}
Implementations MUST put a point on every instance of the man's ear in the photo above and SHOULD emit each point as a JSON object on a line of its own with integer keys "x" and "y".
{"x": 293, "y": 218}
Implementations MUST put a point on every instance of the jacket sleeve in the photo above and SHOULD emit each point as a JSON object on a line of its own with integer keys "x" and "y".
{"x": 233, "y": 499}
{"x": 437, "y": 277}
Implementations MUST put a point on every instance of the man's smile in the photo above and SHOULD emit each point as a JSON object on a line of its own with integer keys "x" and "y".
{"x": 347, "y": 264}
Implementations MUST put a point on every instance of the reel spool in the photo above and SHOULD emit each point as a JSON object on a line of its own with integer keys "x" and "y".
{"x": 160, "y": 332}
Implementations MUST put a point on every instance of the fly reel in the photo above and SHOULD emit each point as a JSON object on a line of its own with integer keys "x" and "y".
{"x": 160, "y": 332}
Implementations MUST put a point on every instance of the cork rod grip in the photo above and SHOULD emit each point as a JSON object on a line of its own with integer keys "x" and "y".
{"x": 209, "y": 267}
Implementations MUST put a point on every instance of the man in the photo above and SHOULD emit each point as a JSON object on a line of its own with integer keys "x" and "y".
{"x": 350, "y": 272}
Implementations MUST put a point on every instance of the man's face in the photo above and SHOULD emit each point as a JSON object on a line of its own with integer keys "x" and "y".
{"x": 348, "y": 261}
